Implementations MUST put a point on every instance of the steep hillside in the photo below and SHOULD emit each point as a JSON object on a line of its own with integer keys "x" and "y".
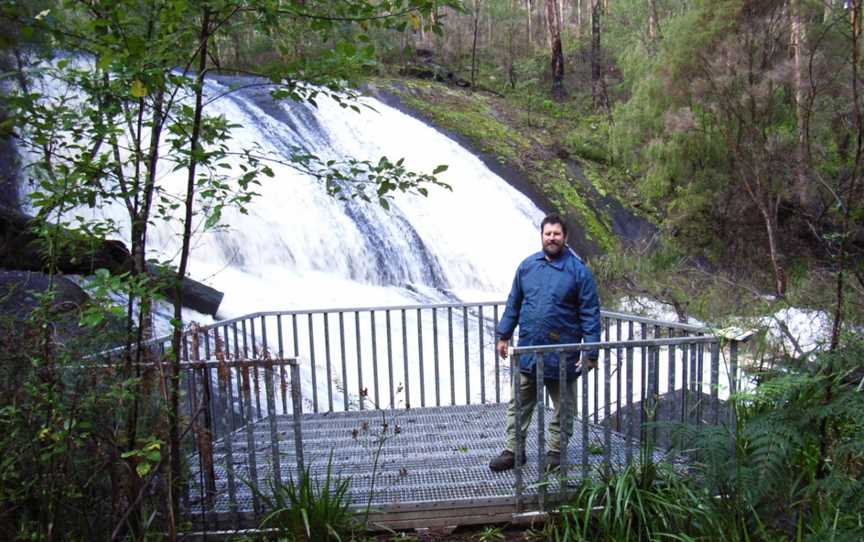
{"x": 544, "y": 149}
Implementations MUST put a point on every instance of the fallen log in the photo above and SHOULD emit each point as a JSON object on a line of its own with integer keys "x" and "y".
{"x": 21, "y": 250}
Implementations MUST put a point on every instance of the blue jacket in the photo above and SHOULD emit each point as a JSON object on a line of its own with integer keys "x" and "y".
{"x": 554, "y": 302}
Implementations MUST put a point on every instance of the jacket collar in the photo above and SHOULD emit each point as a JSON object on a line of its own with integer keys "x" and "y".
{"x": 557, "y": 263}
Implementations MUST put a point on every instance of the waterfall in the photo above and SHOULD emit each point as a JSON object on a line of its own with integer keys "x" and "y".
{"x": 299, "y": 248}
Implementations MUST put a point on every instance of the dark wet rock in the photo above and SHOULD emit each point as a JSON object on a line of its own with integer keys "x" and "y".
{"x": 20, "y": 249}
{"x": 20, "y": 290}
{"x": 669, "y": 412}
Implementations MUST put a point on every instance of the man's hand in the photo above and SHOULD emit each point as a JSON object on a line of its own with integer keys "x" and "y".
{"x": 502, "y": 346}
{"x": 589, "y": 364}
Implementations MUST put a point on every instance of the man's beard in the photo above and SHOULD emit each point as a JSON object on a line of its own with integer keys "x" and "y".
{"x": 553, "y": 250}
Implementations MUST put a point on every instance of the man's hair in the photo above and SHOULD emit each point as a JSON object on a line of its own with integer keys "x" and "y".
{"x": 554, "y": 219}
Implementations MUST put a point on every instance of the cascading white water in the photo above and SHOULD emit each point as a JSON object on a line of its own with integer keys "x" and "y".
{"x": 299, "y": 248}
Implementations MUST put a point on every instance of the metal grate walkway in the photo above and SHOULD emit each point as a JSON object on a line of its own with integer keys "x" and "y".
{"x": 428, "y": 459}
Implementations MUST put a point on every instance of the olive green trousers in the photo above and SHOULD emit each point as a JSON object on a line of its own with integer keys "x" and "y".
{"x": 528, "y": 400}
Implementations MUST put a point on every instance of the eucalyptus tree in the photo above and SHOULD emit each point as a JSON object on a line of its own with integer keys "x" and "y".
{"x": 745, "y": 119}
{"x": 129, "y": 104}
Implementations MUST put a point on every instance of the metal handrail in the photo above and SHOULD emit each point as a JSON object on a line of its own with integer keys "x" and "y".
{"x": 454, "y": 305}
{"x": 573, "y": 347}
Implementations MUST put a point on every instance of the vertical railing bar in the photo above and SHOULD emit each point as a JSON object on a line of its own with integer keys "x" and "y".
{"x": 596, "y": 390}
{"x": 618, "y": 372}
{"x": 374, "y": 360}
{"x": 360, "y": 390}
{"x": 192, "y": 393}
{"x": 297, "y": 408}
{"x": 655, "y": 383}
{"x": 250, "y": 444}
{"x": 585, "y": 430}
{"x": 246, "y": 410}
{"x": 283, "y": 387}
{"x": 390, "y": 360}
{"x": 670, "y": 369}
{"x": 236, "y": 334}
{"x": 467, "y": 360}
{"x": 405, "y": 360}
{"x": 435, "y": 356}
{"x": 254, "y": 341}
{"x": 244, "y": 336}
{"x": 693, "y": 396}
{"x": 685, "y": 380}
{"x": 344, "y": 361}
{"x": 606, "y": 331}
{"x": 631, "y": 416}
{"x": 715, "y": 382}
{"x": 266, "y": 353}
{"x": 206, "y": 332}
{"x": 452, "y": 356}
{"x": 214, "y": 398}
{"x": 204, "y": 442}
{"x": 256, "y": 384}
{"x": 497, "y": 357}
{"x": 227, "y": 355}
{"x": 643, "y": 390}
{"x": 207, "y": 435}
{"x": 564, "y": 415}
{"x": 517, "y": 428}
{"x": 482, "y": 357}
{"x": 188, "y": 378}
{"x": 733, "y": 384}
{"x": 541, "y": 428}
{"x": 223, "y": 376}
{"x": 282, "y": 379}
{"x": 311, "y": 325}
{"x": 420, "y": 358}
{"x": 328, "y": 361}
{"x": 658, "y": 334}
{"x": 700, "y": 382}
{"x": 607, "y": 426}
{"x": 280, "y": 342}
{"x": 295, "y": 335}
{"x": 271, "y": 413}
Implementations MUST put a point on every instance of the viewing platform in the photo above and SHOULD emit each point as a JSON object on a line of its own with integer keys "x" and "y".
{"x": 408, "y": 404}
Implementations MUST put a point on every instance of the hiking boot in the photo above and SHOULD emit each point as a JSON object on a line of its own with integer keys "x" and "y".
{"x": 505, "y": 461}
{"x": 553, "y": 461}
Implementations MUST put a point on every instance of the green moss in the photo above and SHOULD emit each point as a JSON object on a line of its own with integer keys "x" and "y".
{"x": 474, "y": 119}
{"x": 523, "y": 134}
{"x": 566, "y": 197}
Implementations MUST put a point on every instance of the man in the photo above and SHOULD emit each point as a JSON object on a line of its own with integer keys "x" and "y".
{"x": 554, "y": 300}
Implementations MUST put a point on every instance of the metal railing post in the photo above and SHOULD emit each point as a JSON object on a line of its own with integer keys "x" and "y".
{"x": 540, "y": 400}
{"x": 566, "y": 423}
{"x": 271, "y": 414}
{"x": 297, "y": 409}
{"x": 515, "y": 379}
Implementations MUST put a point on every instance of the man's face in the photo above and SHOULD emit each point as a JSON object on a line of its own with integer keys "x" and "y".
{"x": 553, "y": 240}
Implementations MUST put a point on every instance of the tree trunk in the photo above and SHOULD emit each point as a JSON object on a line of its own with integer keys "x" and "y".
{"x": 557, "y": 54}
{"x": 474, "y": 47}
{"x": 560, "y": 12}
{"x": 578, "y": 8}
{"x": 528, "y": 23}
{"x": 653, "y": 21}
{"x": 598, "y": 89}
{"x": 803, "y": 186}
